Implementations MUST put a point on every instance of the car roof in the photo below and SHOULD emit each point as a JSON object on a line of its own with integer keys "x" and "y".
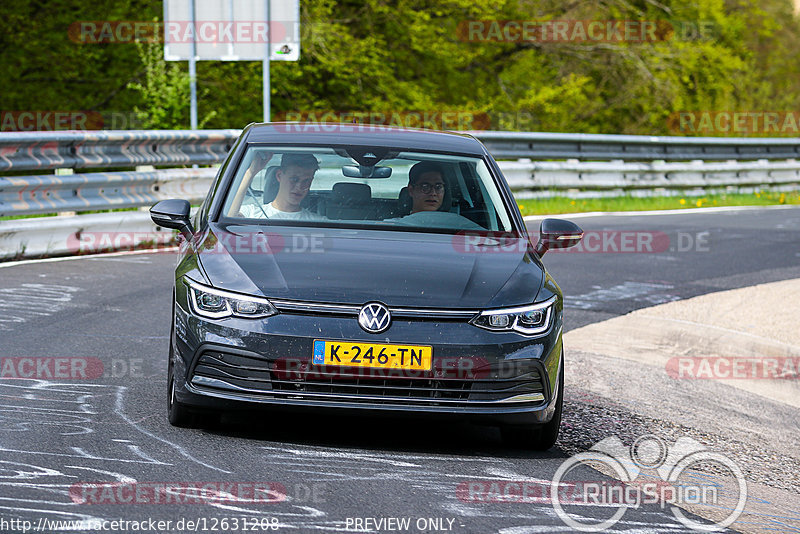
{"x": 324, "y": 133}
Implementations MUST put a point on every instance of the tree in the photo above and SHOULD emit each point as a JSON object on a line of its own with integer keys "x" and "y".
{"x": 165, "y": 92}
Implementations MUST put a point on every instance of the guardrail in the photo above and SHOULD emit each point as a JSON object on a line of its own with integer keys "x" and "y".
{"x": 27, "y": 151}
{"x": 25, "y": 195}
{"x": 24, "y": 151}
{"x": 537, "y": 145}
{"x": 594, "y": 162}
{"x": 547, "y": 178}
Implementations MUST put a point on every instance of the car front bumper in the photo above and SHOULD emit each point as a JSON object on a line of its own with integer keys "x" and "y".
{"x": 496, "y": 378}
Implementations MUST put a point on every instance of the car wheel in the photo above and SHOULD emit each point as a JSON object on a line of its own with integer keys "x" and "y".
{"x": 539, "y": 437}
{"x": 177, "y": 413}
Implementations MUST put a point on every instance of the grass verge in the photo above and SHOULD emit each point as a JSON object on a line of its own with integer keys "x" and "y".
{"x": 38, "y": 215}
{"x": 554, "y": 205}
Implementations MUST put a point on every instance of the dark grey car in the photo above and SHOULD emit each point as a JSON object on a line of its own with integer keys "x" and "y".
{"x": 323, "y": 273}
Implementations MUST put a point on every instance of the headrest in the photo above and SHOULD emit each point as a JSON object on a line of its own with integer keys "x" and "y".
{"x": 352, "y": 193}
{"x": 271, "y": 184}
{"x": 404, "y": 202}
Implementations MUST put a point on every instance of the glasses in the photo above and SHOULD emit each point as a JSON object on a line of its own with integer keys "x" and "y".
{"x": 427, "y": 188}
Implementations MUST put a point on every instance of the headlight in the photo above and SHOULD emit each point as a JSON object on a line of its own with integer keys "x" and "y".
{"x": 528, "y": 320}
{"x": 218, "y": 304}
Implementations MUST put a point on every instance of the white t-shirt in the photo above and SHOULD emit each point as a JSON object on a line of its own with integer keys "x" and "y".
{"x": 254, "y": 212}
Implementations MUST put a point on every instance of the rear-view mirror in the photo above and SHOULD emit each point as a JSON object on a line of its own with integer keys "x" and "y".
{"x": 366, "y": 171}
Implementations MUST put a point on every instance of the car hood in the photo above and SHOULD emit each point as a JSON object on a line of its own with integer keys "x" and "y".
{"x": 356, "y": 266}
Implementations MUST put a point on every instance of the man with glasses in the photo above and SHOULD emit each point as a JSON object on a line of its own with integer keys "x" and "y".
{"x": 426, "y": 186}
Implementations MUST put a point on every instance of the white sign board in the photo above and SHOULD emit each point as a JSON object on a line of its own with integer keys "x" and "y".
{"x": 231, "y": 30}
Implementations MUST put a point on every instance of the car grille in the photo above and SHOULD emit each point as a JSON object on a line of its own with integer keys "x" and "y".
{"x": 286, "y": 379}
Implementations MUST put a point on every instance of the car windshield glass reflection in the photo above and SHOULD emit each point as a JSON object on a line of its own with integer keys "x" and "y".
{"x": 394, "y": 189}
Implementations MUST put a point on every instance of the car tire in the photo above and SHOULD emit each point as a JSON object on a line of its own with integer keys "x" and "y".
{"x": 538, "y": 437}
{"x": 177, "y": 413}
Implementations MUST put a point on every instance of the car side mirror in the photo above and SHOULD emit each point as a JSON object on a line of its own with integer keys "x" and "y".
{"x": 173, "y": 213}
{"x": 557, "y": 233}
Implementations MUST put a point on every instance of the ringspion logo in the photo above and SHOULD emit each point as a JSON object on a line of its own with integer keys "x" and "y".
{"x": 649, "y": 472}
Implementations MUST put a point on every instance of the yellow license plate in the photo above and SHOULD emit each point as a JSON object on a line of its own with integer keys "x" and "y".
{"x": 351, "y": 354}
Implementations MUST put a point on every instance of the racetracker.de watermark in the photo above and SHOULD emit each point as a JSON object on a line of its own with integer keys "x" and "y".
{"x": 584, "y": 31}
{"x": 716, "y": 122}
{"x": 375, "y": 121}
{"x": 53, "y": 120}
{"x": 91, "y": 493}
{"x": 223, "y": 243}
{"x": 594, "y": 241}
{"x": 724, "y": 368}
{"x": 50, "y": 368}
{"x": 176, "y": 31}
{"x": 69, "y": 368}
{"x": 457, "y": 367}
{"x": 513, "y": 491}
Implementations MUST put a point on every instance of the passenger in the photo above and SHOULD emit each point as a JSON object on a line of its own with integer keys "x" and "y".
{"x": 426, "y": 186}
{"x": 294, "y": 178}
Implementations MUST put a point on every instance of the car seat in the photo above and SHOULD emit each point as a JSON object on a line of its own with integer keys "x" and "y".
{"x": 350, "y": 201}
{"x": 271, "y": 184}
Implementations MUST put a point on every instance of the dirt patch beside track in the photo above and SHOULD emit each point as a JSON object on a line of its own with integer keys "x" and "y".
{"x": 720, "y": 368}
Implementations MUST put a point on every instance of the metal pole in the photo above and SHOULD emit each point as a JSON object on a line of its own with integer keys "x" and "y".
{"x": 231, "y": 19}
{"x": 193, "y": 90}
{"x": 265, "y": 86}
{"x": 193, "y": 71}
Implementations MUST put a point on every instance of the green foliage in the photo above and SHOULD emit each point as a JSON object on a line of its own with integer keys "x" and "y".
{"x": 412, "y": 55}
{"x": 165, "y": 92}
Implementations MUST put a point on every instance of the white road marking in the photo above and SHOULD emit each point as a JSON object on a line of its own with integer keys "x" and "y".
{"x": 120, "y": 477}
{"x": 338, "y": 455}
{"x": 143, "y": 259}
{"x": 93, "y": 256}
{"x": 28, "y": 301}
{"x": 650, "y": 293}
{"x": 120, "y": 410}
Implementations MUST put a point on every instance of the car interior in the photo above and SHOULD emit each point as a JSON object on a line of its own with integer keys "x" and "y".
{"x": 355, "y": 201}
{"x": 365, "y": 192}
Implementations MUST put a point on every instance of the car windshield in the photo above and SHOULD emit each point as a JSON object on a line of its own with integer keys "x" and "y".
{"x": 365, "y": 187}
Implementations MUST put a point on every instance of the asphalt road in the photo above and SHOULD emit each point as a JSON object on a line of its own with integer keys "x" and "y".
{"x": 62, "y": 441}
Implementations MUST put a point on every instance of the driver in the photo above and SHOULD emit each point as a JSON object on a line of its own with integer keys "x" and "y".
{"x": 426, "y": 186}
